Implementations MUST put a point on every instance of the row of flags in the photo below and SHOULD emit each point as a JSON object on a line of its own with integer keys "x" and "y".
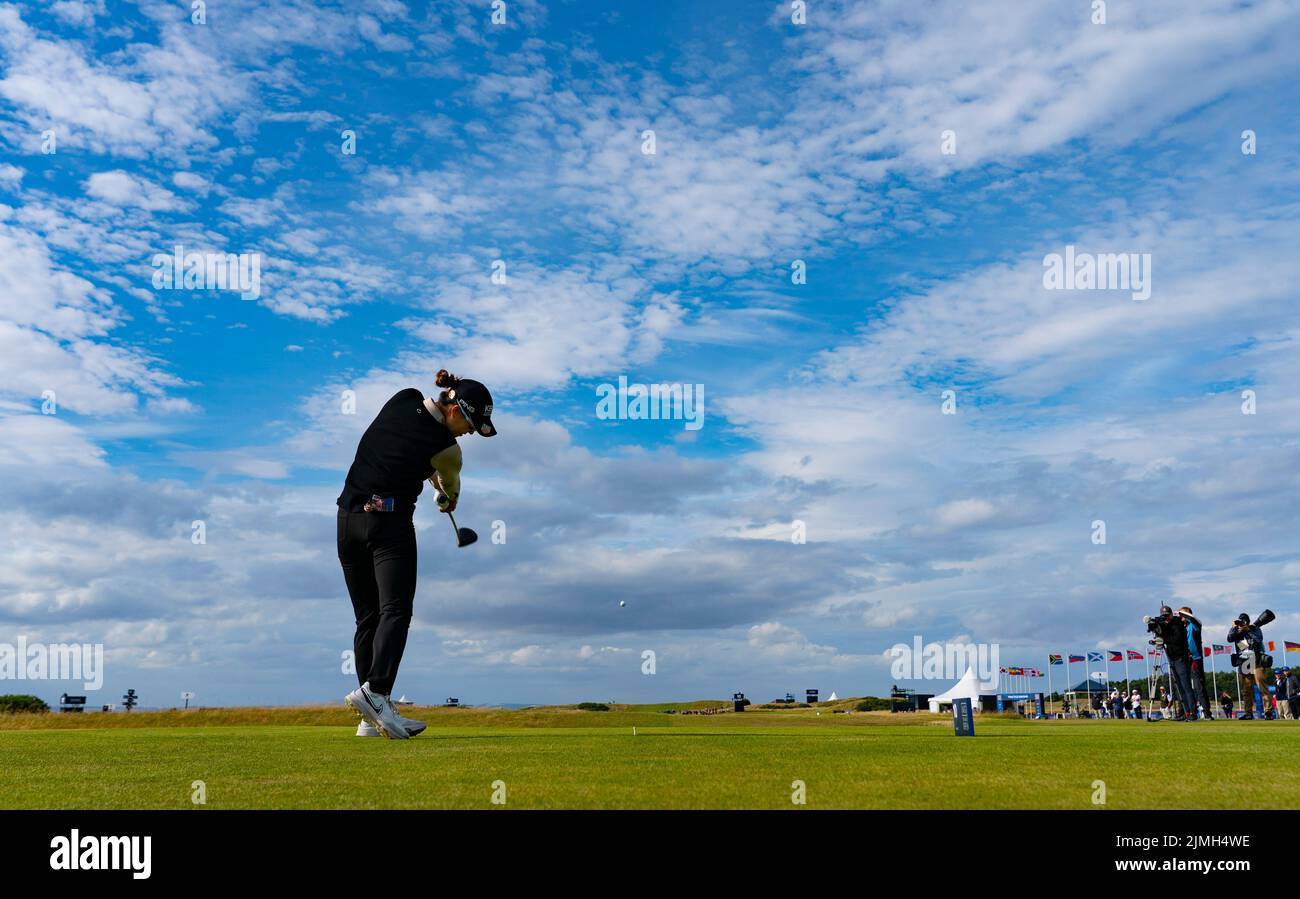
{"x": 1110, "y": 655}
{"x": 1272, "y": 647}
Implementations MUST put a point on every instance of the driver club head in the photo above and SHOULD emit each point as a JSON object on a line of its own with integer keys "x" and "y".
{"x": 464, "y": 536}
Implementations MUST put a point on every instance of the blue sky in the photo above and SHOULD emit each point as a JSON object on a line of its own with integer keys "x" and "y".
{"x": 522, "y": 142}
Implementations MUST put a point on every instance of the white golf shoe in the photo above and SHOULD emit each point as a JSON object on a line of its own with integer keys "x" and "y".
{"x": 378, "y": 711}
{"x": 413, "y": 728}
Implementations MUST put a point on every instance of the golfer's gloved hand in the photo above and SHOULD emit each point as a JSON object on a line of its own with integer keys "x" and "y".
{"x": 446, "y": 503}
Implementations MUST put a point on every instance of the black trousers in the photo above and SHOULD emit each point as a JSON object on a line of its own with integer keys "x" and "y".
{"x": 1196, "y": 675}
{"x": 1180, "y": 677}
{"x": 377, "y": 552}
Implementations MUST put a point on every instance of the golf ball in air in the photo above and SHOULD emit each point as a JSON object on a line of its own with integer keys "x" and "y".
{"x": 621, "y": 603}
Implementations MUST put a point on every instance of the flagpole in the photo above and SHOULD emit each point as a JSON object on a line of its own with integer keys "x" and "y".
{"x": 1087, "y": 677}
{"x": 1206, "y": 650}
{"x": 1049, "y": 681}
{"x": 1127, "y": 683}
{"x": 1146, "y": 660}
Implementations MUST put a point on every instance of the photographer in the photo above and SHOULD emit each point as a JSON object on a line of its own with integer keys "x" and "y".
{"x": 1170, "y": 631}
{"x": 1225, "y": 700}
{"x": 1282, "y": 694}
{"x": 1197, "y": 662}
{"x": 1251, "y": 662}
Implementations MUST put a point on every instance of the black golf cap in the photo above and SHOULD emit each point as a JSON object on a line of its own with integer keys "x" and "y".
{"x": 476, "y": 402}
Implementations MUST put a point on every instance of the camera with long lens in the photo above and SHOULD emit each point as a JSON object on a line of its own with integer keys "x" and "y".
{"x": 1250, "y": 652}
{"x": 1155, "y": 626}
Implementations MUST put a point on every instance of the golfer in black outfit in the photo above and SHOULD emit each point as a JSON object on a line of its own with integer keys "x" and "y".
{"x": 413, "y": 438}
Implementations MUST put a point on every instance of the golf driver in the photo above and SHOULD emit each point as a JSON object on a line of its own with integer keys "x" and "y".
{"x": 464, "y": 536}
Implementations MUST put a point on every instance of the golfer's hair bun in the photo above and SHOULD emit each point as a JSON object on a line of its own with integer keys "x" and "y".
{"x": 445, "y": 378}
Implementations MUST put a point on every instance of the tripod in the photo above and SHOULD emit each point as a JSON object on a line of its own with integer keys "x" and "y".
{"x": 1156, "y": 668}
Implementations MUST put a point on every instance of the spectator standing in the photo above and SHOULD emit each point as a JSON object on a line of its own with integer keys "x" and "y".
{"x": 1116, "y": 704}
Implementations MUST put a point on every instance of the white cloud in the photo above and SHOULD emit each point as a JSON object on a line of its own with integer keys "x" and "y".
{"x": 890, "y": 77}
{"x": 963, "y": 512}
{"x": 781, "y": 644}
{"x": 191, "y": 181}
{"x": 51, "y": 327}
{"x": 77, "y": 12}
{"x": 160, "y": 97}
{"x": 122, "y": 189}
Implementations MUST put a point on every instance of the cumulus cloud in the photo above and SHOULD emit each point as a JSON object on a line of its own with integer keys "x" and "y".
{"x": 167, "y": 96}
{"x": 122, "y": 189}
{"x": 1016, "y": 82}
{"x": 51, "y": 327}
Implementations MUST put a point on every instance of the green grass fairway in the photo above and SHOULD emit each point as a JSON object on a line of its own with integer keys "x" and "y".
{"x": 563, "y": 758}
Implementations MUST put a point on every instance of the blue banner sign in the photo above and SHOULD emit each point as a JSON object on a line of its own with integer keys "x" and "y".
{"x": 963, "y": 718}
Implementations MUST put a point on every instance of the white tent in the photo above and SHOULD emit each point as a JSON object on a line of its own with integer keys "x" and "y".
{"x": 966, "y": 688}
{"x": 833, "y": 697}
